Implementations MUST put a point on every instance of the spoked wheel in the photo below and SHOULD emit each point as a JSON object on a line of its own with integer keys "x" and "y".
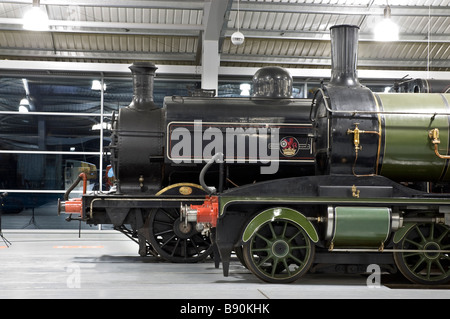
{"x": 174, "y": 240}
{"x": 279, "y": 252}
{"x": 430, "y": 266}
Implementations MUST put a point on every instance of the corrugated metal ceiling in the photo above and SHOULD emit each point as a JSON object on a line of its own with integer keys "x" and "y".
{"x": 283, "y": 32}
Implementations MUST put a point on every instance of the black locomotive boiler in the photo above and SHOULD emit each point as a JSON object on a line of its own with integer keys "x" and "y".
{"x": 348, "y": 178}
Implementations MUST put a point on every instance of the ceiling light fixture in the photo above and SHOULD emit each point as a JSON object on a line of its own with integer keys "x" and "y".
{"x": 386, "y": 30}
{"x": 97, "y": 85}
{"x": 36, "y": 19}
{"x": 237, "y": 38}
{"x": 24, "y": 105}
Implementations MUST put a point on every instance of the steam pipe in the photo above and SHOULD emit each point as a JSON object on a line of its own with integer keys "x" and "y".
{"x": 218, "y": 158}
{"x": 80, "y": 177}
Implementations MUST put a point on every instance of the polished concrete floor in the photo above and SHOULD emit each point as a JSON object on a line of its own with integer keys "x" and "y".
{"x": 48, "y": 259}
{"x": 104, "y": 264}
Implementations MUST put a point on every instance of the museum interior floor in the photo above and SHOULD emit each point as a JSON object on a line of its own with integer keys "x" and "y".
{"x": 61, "y": 261}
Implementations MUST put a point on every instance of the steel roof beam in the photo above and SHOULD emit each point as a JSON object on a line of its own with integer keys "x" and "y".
{"x": 326, "y": 61}
{"x": 325, "y": 36}
{"x": 111, "y": 25}
{"x": 120, "y": 68}
{"x": 96, "y": 55}
{"x": 142, "y": 4}
{"x": 333, "y": 9}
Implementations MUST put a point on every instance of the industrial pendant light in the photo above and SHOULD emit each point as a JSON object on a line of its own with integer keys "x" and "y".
{"x": 36, "y": 19}
{"x": 386, "y": 30}
{"x": 237, "y": 38}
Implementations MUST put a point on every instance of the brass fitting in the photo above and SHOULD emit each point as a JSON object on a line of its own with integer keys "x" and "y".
{"x": 434, "y": 137}
{"x": 355, "y": 191}
{"x": 356, "y": 140}
{"x": 356, "y": 133}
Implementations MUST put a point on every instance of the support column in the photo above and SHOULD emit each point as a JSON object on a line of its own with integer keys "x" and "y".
{"x": 215, "y": 19}
{"x": 210, "y": 64}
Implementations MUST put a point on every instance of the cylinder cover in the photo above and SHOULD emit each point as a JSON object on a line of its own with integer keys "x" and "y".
{"x": 358, "y": 226}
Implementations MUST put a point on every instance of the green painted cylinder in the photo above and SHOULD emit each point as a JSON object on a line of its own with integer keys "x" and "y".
{"x": 351, "y": 227}
{"x": 406, "y": 151}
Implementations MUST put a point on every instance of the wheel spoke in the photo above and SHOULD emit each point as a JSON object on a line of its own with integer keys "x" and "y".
{"x": 443, "y": 235}
{"x": 164, "y": 232}
{"x": 167, "y": 241}
{"x": 269, "y": 242}
{"x": 429, "y": 263}
{"x": 431, "y": 237}
{"x": 163, "y": 223}
{"x": 175, "y": 248}
{"x": 194, "y": 245}
{"x": 420, "y": 234}
{"x": 439, "y": 265}
{"x": 299, "y": 262}
{"x": 274, "y": 235}
{"x": 299, "y": 247}
{"x": 264, "y": 260}
{"x": 408, "y": 255}
{"x": 274, "y": 266}
{"x": 421, "y": 260}
{"x": 296, "y": 234}
{"x": 283, "y": 233}
{"x": 185, "y": 254}
{"x": 413, "y": 242}
{"x": 286, "y": 266}
{"x": 167, "y": 214}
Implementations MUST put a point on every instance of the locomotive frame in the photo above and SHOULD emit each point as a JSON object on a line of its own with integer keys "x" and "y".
{"x": 354, "y": 204}
{"x": 310, "y": 207}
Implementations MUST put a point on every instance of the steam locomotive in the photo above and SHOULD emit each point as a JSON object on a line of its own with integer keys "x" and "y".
{"x": 350, "y": 177}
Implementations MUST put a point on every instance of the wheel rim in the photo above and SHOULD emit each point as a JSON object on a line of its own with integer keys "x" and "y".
{"x": 174, "y": 240}
{"x": 429, "y": 266}
{"x": 279, "y": 251}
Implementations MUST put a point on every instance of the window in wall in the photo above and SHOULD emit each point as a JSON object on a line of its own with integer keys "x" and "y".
{"x": 53, "y": 128}
{"x": 49, "y": 129}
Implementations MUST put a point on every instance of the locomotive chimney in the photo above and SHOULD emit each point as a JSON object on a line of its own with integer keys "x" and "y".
{"x": 344, "y": 55}
{"x": 143, "y": 76}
